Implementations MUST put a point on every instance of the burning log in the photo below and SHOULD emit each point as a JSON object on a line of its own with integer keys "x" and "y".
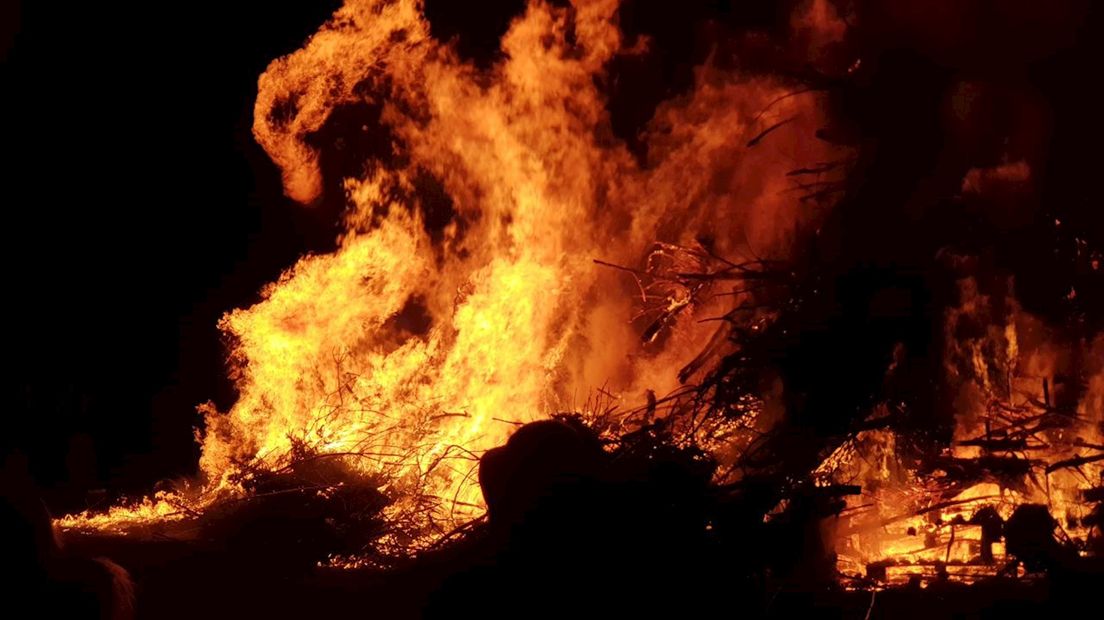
{"x": 1012, "y": 470}
{"x": 997, "y": 445}
{"x": 1074, "y": 462}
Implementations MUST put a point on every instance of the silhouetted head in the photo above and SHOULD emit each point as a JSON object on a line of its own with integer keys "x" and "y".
{"x": 36, "y": 572}
{"x": 537, "y": 460}
{"x": 27, "y": 541}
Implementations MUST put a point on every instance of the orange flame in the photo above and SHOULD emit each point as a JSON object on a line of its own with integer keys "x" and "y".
{"x": 521, "y": 323}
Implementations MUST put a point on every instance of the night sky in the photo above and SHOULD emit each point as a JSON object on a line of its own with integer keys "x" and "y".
{"x": 138, "y": 210}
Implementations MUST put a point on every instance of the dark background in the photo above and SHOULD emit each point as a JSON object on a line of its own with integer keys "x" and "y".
{"x": 138, "y": 209}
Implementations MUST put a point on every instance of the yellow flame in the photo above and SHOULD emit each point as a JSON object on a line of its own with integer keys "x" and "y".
{"x": 520, "y": 321}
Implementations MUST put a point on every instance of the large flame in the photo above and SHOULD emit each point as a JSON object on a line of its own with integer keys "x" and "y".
{"x": 417, "y": 345}
{"x": 446, "y": 318}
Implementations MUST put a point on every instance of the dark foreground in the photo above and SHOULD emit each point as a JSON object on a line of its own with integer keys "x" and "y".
{"x": 571, "y": 529}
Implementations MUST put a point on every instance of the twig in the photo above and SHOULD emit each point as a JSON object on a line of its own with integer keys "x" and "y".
{"x": 763, "y": 134}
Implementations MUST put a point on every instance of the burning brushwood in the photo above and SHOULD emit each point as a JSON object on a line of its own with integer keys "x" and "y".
{"x": 394, "y": 395}
{"x": 676, "y": 278}
{"x": 983, "y": 490}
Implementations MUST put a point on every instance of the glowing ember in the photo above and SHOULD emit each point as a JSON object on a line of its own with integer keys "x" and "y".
{"x": 1021, "y": 437}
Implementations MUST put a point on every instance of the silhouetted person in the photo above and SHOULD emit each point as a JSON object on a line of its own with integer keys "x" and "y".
{"x": 1029, "y": 536}
{"x": 40, "y": 579}
{"x": 538, "y": 460}
{"x": 573, "y": 527}
{"x": 992, "y": 528}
